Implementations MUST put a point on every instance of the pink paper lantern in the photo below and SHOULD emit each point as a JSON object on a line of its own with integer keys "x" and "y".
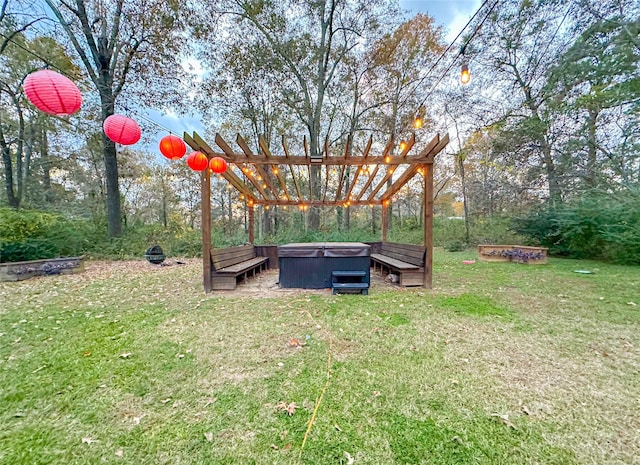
{"x": 52, "y": 93}
{"x": 122, "y": 129}
{"x": 172, "y": 147}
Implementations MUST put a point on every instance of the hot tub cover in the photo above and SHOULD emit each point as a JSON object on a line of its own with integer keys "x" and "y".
{"x": 324, "y": 249}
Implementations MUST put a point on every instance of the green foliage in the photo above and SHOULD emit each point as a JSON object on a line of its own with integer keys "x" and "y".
{"x": 600, "y": 225}
{"x": 456, "y": 246}
{"x": 450, "y": 233}
{"x": 32, "y": 235}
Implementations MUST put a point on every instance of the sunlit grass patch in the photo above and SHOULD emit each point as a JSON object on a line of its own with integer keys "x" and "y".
{"x": 471, "y": 304}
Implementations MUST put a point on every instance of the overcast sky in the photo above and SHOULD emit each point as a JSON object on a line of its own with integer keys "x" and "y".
{"x": 452, "y": 15}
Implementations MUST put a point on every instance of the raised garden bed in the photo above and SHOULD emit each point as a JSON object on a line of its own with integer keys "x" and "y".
{"x": 513, "y": 253}
{"x": 18, "y": 271}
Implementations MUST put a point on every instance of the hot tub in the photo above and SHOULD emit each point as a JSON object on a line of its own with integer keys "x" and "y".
{"x": 310, "y": 265}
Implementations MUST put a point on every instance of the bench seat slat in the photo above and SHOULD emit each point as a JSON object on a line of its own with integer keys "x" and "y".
{"x": 400, "y": 265}
{"x": 242, "y": 266}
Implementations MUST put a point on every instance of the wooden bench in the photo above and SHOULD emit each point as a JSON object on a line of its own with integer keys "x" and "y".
{"x": 231, "y": 264}
{"x": 405, "y": 260}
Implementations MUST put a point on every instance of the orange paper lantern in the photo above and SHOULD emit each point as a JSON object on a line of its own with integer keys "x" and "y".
{"x": 172, "y": 147}
{"x": 52, "y": 93}
{"x": 121, "y": 129}
{"x": 218, "y": 165}
{"x": 197, "y": 161}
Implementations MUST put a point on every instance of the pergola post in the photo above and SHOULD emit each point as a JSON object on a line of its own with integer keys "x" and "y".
{"x": 205, "y": 181}
{"x": 428, "y": 224}
{"x": 251, "y": 223}
{"x": 385, "y": 212}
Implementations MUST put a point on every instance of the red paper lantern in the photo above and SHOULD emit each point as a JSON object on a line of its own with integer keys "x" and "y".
{"x": 197, "y": 161}
{"x": 52, "y": 93}
{"x": 218, "y": 165}
{"x": 172, "y": 147}
{"x": 121, "y": 129}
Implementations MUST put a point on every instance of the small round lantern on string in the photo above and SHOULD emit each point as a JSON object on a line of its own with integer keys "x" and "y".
{"x": 218, "y": 165}
{"x": 121, "y": 129}
{"x": 197, "y": 161}
{"x": 172, "y": 147}
{"x": 52, "y": 93}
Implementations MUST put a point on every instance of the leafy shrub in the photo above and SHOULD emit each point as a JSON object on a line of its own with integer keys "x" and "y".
{"x": 600, "y": 225}
{"x": 32, "y": 235}
{"x": 456, "y": 246}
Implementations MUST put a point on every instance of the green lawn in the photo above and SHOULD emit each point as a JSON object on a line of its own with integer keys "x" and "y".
{"x": 499, "y": 364}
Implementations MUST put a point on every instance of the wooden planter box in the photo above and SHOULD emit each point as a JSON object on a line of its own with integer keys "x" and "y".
{"x": 513, "y": 253}
{"x": 18, "y": 271}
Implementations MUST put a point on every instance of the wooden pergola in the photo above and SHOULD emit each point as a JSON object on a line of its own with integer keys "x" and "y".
{"x": 285, "y": 179}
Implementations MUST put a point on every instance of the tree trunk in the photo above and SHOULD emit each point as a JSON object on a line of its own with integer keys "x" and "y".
{"x": 591, "y": 177}
{"x": 46, "y": 165}
{"x": 114, "y": 212}
{"x": 12, "y": 200}
{"x": 465, "y": 207}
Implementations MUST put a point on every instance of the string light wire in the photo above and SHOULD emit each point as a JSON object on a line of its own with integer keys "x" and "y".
{"x": 473, "y": 34}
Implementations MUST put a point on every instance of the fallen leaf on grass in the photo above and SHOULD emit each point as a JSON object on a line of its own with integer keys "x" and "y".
{"x": 88, "y": 440}
{"x": 526, "y": 410}
{"x": 119, "y": 453}
{"x": 289, "y": 408}
{"x": 504, "y": 418}
{"x": 350, "y": 460}
{"x": 293, "y": 342}
{"x": 336, "y": 426}
{"x": 125, "y": 355}
{"x": 274, "y": 447}
{"x": 208, "y": 436}
{"x": 633, "y": 304}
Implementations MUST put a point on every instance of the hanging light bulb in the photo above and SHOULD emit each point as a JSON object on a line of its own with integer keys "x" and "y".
{"x": 465, "y": 77}
{"x": 417, "y": 123}
{"x": 403, "y": 145}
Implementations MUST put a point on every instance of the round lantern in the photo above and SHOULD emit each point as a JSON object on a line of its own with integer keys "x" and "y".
{"x": 197, "y": 161}
{"x": 121, "y": 129}
{"x": 172, "y": 147}
{"x": 218, "y": 165}
{"x": 52, "y": 93}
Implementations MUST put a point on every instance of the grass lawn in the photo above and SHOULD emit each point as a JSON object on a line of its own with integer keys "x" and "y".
{"x": 499, "y": 364}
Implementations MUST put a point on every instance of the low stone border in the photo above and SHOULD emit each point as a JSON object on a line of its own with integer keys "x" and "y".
{"x": 18, "y": 271}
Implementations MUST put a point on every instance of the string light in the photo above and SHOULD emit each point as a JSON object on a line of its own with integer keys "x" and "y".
{"x": 465, "y": 77}
{"x": 461, "y": 52}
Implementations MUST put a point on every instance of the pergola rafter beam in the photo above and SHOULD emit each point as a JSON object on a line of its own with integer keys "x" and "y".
{"x": 197, "y": 143}
{"x": 227, "y": 150}
{"x": 293, "y": 175}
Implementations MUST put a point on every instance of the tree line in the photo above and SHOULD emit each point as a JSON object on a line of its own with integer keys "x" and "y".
{"x": 550, "y": 116}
